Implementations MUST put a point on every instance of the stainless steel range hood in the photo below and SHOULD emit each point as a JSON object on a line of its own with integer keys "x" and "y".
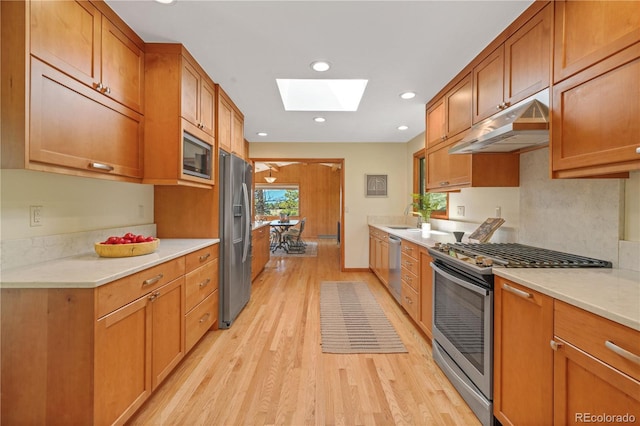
{"x": 523, "y": 125}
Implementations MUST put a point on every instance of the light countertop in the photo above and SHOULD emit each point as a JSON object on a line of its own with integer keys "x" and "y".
{"x": 609, "y": 292}
{"x": 89, "y": 270}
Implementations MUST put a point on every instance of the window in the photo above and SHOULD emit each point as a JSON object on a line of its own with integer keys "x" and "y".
{"x": 271, "y": 200}
{"x": 439, "y": 200}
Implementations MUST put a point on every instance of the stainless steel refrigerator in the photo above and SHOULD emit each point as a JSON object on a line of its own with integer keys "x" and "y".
{"x": 235, "y": 236}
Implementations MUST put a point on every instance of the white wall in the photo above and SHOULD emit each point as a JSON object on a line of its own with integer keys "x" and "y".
{"x": 70, "y": 204}
{"x": 359, "y": 159}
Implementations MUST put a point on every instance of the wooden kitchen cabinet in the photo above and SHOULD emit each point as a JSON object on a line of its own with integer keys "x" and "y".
{"x": 596, "y": 131}
{"x": 516, "y": 69}
{"x": 96, "y": 354}
{"x": 409, "y": 277}
{"x": 594, "y": 373}
{"x": 586, "y": 33}
{"x": 450, "y": 172}
{"x": 523, "y": 359}
{"x": 379, "y": 252}
{"x": 425, "y": 292}
{"x": 60, "y": 113}
{"x": 451, "y": 115}
{"x": 260, "y": 250}
{"x": 179, "y": 99}
{"x": 230, "y": 122}
{"x": 83, "y": 42}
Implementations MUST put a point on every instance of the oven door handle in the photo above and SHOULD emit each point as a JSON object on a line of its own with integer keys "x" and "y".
{"x": 475, "y": 288}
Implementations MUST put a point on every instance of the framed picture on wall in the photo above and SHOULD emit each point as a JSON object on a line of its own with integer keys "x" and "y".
{"x": 375, "y": 185}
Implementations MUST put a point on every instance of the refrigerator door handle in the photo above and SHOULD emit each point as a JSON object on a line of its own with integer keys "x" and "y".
{"x": 247, "y": 228}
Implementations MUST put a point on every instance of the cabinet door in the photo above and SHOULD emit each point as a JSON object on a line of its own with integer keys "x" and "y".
{"x": 446, "y": 171}
{"x": 523, "y": 359}
{"x": 122, "y": 362}
{"x": 66, "y": 35}
{"x": 122, "y": 67}
{"x": 190, "y": 93}
{"x": 587, "y": 32}
{"x": 223, "y": 133}
{"x": 426, "y": 292}
{"x": 372, "y": 252}
{"x": 384, "y": 262}
{"x": 458, "y": 107}
{"x": 584, "y": 387}
{"x": 167, "y": 334}
{"x": 207, "y": 107}
{"x": 435, "y": 132}
{"x": 75, "y": 127}
{"x": 595, "y": 128}
{"x": 238, "y": 134}
{"x": 527, "y": 56}
{"x": 488, "y": 85}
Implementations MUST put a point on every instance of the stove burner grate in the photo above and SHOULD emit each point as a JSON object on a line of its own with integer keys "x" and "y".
{"x": 513, "y": 255}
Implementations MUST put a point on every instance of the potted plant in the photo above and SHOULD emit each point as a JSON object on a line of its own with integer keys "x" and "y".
{"x": 426, "y": 203}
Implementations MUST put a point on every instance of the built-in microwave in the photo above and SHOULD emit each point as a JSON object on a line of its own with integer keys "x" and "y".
{"x": 196, "y": 156}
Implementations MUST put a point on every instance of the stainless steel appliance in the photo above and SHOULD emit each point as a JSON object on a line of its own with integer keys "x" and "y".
{"x": 463, "y": 310}
{"x": 235, "y": 177}
{"x": 196, "y": 156}
{"x": 395, "y": 280}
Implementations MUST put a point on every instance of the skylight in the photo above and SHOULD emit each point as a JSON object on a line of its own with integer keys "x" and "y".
{"x": 321, "y": 94}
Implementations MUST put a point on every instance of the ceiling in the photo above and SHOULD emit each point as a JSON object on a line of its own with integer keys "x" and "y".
{"x": 397, "y": 45}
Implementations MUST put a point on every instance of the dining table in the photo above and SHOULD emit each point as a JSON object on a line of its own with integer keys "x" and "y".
{"x": 280, "y": 228}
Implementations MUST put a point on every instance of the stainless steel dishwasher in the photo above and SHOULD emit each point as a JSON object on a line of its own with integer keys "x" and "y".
{"x": 395, "y": 280}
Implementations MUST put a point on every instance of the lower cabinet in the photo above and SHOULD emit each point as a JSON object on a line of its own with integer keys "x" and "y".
{"x": 259, "y": 250}
{"x": 425, "y": 292}
{"x": 96, "y": 354}
{"x": 523, "y": 359}
{"x": 379, "y": 254}
{"x": 555, "y": 363}
{"x": 410, "y": 283}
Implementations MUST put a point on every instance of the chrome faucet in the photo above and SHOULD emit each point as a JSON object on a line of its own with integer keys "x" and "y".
{"x": 419, "y": 224}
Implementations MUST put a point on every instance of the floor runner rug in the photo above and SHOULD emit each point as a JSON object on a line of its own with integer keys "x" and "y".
{"x": 352, "y": 321}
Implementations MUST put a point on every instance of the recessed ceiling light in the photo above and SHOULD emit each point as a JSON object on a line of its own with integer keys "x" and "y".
{"x": 321, "y": 94}
{"x": 165, "y": 1}
{"x": 262, "y": 133}
{"x": 408, "y": 95}
{"x": 320, "y": 66}
{"x": 319, "y": 119}
{"x": 403, "y": 127}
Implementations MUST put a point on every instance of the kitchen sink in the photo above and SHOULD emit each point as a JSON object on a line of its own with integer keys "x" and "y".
{"x": 399, "y": 227}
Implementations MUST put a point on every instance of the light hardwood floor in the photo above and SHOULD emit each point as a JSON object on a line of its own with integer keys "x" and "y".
{"x": 268, "y": 368}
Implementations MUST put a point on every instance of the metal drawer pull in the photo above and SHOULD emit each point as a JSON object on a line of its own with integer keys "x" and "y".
{"x": 152, "y": 280}
{"x": 154, "y": 296}
{"x": 408, "y": 300}
{"x": 517, "y": 292}
{"x": 204, "y": 317}
{"x": 205, "y": 283}
{"x": 622, "y": 352}
{"x": 204, "y": 257}
{"x": 101, "y": 166}
{"x": 554, "y": 345}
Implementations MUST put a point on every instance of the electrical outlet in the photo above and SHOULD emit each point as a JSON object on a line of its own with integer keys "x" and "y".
{"x": 35, "y": 215}
{"x": 498, "y": 211}
{"x": 460, "y": 211}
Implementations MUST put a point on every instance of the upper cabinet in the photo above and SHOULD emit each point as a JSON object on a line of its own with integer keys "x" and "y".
{"x": 180, "y": 103}
{"x": 451, "y": 114}
{"x": 73, "y": 90}
{"x": 596, "y": 91}
{"x": 230, "y": 122}
{"x": 516, "y": 69}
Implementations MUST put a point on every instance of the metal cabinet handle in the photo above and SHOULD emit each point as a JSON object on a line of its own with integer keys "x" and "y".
{"x": 107, "y": 89}
{"x": 638, "y": 150}
{"x": 554, "y": 345}
{"x": 204, "y": 317}
{"x": 204, "y": 257}
{"x": 409, "y": 301}
{"x": 101, "y": 166}
{"x": 444, "y": 183}
{"x": 154, "y": 296}
{"x": 517, "y": 292}
{"x": 204, "y": 283}
{"x": 622, "y": 352}
{"x": 152, "y": 280}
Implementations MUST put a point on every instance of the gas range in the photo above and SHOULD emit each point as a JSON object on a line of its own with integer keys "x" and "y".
{"x": 481, "y": 257}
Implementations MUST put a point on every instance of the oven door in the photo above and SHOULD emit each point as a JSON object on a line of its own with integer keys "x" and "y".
{"x": 463, "y": 324}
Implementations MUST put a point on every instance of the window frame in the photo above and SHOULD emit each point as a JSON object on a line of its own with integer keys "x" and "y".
{"x": 420, "y": 181}
{"x": 275, "y": 186}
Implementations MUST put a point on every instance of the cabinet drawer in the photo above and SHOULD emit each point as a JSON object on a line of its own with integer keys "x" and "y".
{"x": 410, "y": 300}
{"x": 590, "y": 333}
{"x": 200, "y": 319}
{"x": 410, "y": 263}
{"x": 200, "y": 283}
{"x": 118, "y": 293}
{"x": 200, "y": 257}
{"x": 410, "y": 278}
{"x": 410, "y": 249}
